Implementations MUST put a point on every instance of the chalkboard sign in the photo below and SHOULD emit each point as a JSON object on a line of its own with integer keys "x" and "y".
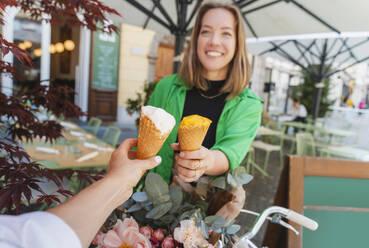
{"x": 333, "y": 193}
{"x": 105, "y": 60}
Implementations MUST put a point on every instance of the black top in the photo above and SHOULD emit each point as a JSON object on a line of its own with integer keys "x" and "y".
{"x": 208, "y": 104}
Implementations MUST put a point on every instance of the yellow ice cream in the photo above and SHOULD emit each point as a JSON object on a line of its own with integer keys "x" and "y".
{"x": 195, "y": 120}
{"x": 192, "y": 131}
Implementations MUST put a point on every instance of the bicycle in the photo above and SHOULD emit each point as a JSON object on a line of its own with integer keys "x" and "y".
{"x": 277, "y": 214}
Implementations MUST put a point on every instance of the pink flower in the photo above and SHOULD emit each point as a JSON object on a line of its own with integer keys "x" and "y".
{"x": 190, "y": 235}
{"x": 159, "y": 234}
{"x": 125, "y": 234}
{"x": 154, "y": 242}
{"x": 146, "y": 231}
{"x": 168, "y": 242}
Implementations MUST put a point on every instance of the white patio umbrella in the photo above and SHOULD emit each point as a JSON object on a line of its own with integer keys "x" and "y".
{"x": 313, "y": 52}
{"x": 263, "y": 19}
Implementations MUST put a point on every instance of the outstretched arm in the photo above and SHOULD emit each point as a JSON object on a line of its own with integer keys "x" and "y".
{"x": 87, "y": 211}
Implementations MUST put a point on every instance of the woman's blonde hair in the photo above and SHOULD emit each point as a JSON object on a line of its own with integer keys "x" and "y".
{"x": 239, "y": 69}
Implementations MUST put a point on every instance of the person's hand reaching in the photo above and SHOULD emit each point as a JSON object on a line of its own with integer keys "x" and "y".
{"x": 124, "y": 168}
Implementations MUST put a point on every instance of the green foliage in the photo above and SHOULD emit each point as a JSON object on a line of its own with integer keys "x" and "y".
{"x": 238, "y": 177}
{"x": 157, "y": 189}
{"x": 134, "y": 105}
{"x": 160, "y": 206}
{"x": 305, "y": 92}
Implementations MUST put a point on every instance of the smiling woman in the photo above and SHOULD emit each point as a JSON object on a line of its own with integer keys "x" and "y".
{"x": 212, "y": 82}
{"x": 216, "y": 43}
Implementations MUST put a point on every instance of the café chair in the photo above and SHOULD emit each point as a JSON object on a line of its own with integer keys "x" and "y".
{"x": 111, "y": 135}
{"x": 250, "y": 163}
{"x": 305, "y": 145}
{"x": 93, "y": 125}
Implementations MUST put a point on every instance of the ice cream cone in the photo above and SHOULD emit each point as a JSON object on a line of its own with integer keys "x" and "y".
{"x": 192, "y": 131}
{"x": 150, "y": 137}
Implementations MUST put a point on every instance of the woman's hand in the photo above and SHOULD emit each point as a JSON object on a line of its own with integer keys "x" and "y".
{"x": 191, "y": 165}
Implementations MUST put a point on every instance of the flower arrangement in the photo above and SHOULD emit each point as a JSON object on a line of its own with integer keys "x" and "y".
{"x": 178, "y": 216}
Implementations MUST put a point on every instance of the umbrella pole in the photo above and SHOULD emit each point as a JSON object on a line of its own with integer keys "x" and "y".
{"x": 178, "y": 49}
{"x": 320, "y": 82}
{"x": 317, "y": 97}
{"x": 287, "y": 95}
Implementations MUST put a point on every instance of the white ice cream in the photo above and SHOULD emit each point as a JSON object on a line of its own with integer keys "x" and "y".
{"x": 162, "y": 120}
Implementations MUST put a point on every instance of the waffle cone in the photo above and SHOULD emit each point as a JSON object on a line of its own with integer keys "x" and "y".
{"x": 190, "y": 138}
{"x": 150, "y": 139}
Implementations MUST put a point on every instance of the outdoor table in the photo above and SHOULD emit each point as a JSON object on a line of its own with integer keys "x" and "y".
{"x": 299, "y": 126}
{"x": 338, "y": 133}
{"x": 66, "y": 152}
{"x": 346, "y": 152}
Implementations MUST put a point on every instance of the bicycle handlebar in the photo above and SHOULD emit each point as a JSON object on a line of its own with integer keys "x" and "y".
{"x": 302, "y": 220}
{"x": 287, "y": 213}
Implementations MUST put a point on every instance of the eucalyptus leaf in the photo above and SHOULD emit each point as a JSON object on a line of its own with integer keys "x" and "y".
{"x": 219, "y": 183}
{"x": 231, "y": 180}
{"x": 245, "y": 178}
{"x": 148, "y": 206}
{"x": 159, "y": 211}
{"x": 161, "y": 200}
{"x": 233, "y": 229}
{"x": 140, "y": 196}
{"x": 229, "y": 223}
{"x": 167, "y": 219}
{"x": 238, "y": 171}
{"x": 187, "y": 214}
{"x": 135, "y": 208}
{"x": 218, "y": 223}
{"x": 217, "y": 230}
{"x": 127, "y": 204}
{"x": 209, "y": 220}
{"x": 176, "y": 196}
{"x": 155, "y": 187}
{"x": 204, "y": 229}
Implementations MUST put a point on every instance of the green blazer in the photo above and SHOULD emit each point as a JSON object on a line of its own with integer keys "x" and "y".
{"x": 236, "y": 129}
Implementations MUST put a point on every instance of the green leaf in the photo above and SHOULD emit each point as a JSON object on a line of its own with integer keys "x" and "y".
{"x": 229, "y": 222}
{"x": 231, "y": 180}
{"x": 245, "y": 178}
{"x": 155, "y": 188}
{"x": 209, "y": 220}
{"x": 176, "y": 196}
{"x": 187, "y": 214}
{"x": 148, "y": 206}
{"x": 159, "y": 211}
{"x": 135, "y": 208}
{"x": 204, "y": 229}
{"x": 167, "y": 219}
{"x": 127, "y": 204}
{"x": 240, "y": 175}
{"x": 233, "y": 229}
{"x": 140, "y": 196}
{"x": 161, "y": 200}
{"x": 219, "y": 183}
{"x": 218, "y": 223}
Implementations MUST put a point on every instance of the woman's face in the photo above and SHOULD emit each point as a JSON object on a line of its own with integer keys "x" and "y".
{"x": 216, "y": 43}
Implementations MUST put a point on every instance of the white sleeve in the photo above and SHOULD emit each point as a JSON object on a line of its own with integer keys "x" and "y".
{"x": 36, "y": 230}
{"x": 303, "y": 112}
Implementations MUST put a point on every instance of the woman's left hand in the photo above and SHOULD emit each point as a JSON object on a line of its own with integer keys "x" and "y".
{"x": 191, "y": 165}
